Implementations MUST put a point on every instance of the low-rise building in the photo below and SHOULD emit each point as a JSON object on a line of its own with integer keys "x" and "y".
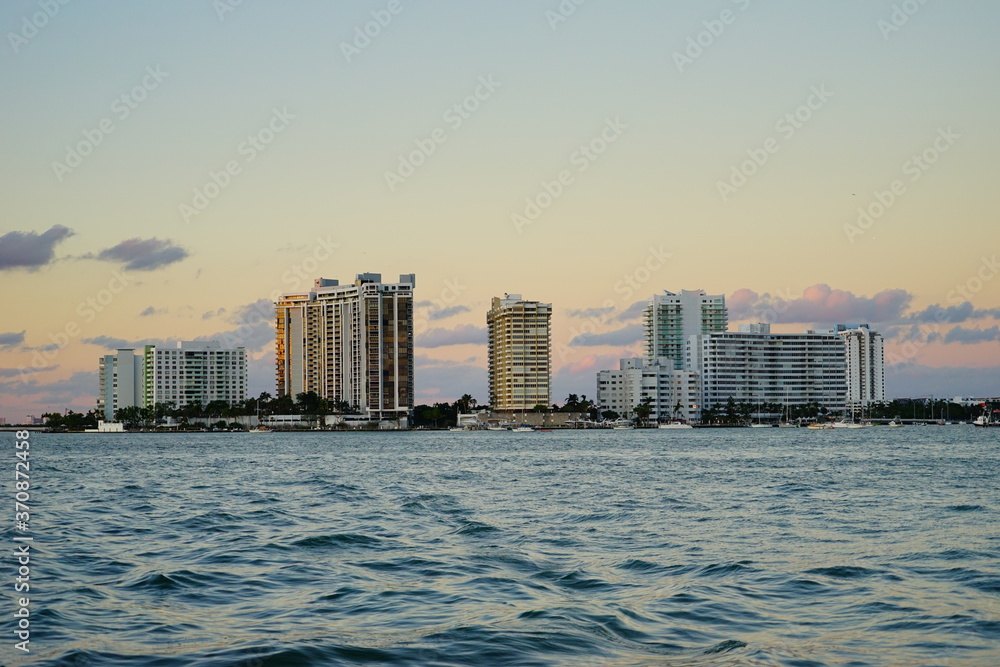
{"x": 674, "y": 394}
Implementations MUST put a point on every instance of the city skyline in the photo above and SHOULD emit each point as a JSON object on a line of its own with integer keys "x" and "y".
{"x": 814, "y": 164}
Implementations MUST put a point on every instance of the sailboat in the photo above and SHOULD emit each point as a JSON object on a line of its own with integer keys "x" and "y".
{"x": 759, "y": 424}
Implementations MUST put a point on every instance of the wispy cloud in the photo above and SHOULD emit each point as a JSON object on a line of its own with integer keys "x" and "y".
{"x": 952, "y": 314}
{"x": 463, "y": 334}
{"x": 627, "y": 335}
{"x": 143, "y": 254}
{"x": 31, "y": 250}
{"x": 11, "y": 339}
{"x": 445, "y": 313}
{"x": 965, "y": 336}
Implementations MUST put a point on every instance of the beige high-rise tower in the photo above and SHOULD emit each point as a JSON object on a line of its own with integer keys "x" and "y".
{"x": 350, "y": 343}
{"x": 520, "y": 353}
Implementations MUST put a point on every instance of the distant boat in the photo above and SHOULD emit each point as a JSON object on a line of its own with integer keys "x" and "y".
{"x": 896, "y": 422}
{"x": 843, "y": 424}
{"x": 496, "y": 428}
{"x": 523, "y": 428}
{"x": 675, "y": 424}
{"x": 759, "y": 425}
{"x": 457, "y": 428}
{"x": 821, "y": 427}
{"x": 984, "y": 421}
{"x": 260, "y": 429}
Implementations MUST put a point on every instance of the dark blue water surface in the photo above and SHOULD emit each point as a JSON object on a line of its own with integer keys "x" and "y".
{"x": 709, "y": 547}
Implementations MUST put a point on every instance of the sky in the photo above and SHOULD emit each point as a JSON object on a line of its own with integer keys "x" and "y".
{"x": 170, "y": 167}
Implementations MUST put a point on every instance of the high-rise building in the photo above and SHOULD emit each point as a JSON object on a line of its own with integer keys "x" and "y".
{"x": 756, "y": 366}
{"x": 670, "y": 319}
{"x": 349, "y": 343}
{"x": 520, "y": 353}
{"x": 673, "y": 394}
{"x": 121, "y": 382}
{"x": 195, "y": 372}
{"x": 865, "y": 364}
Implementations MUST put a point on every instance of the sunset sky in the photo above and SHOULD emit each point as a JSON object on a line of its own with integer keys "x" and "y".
{"x": 169, "y": 167}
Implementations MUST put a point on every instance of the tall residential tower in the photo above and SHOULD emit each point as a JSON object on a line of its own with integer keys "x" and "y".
{"x": 865, "y": 364}
{"x": 670, "y": 319}
{"x": 350, "y": 343}
{"x": 520, "y": 353}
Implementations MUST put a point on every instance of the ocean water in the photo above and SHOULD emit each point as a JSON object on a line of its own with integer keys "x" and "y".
{"x": 709, "y": 547}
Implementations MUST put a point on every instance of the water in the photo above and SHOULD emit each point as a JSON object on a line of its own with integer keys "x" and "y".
{"x": 708, "y": 547}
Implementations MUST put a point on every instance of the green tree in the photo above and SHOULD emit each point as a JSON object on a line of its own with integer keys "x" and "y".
{"x": 643, "y": 410}
{"x": 130, "y": 416}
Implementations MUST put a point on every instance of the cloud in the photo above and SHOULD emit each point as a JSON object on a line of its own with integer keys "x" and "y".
{"x": 143, "y": 254}
{"x": 11, "y": 339}
{"x": 18, "y": 372}
{"x": 633, "y": 312}
{"x": 445, "y": 313}
{"x": 78, "y": 391}
{"x": 110, "y": 343}
{"x": 627, "y": 335}
{"x": 213, "y": 313}
{"x": 261, "y": 310}
{"x": 29, "y": 249}
{"x": 589, "y": 313}
{"x": 819, "y": 304}
{"x": 152, "y": 311}
{"x": 966, "y": 336}
{"x": 952, "y": 314}
{"x": 463, "y": 334}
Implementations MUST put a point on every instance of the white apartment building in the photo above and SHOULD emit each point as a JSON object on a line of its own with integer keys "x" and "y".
{"x": 675, "y": 394}
{"x": 350, "y": 343}
{"x": 195, "y": 372}
{"x": 670, "y": 319}
{"x": 757, "y": 366}
{"x": 865, "y": 364}
{"x": 120, "y": 377}
{"x": 520, "y": 353}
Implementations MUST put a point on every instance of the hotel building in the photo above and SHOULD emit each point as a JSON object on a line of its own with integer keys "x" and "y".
{"x": 865, "y": 365}
{"x": 520, "y": 353}
{"x": 670, "y": 319}
{"x": 195, "y": 372}
{"x": 674, "y": 394}
{"x": 350, "y": 343}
